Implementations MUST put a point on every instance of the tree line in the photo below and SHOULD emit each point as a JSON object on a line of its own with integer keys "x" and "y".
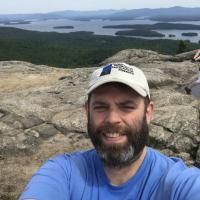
{"x": 78, "y": 49}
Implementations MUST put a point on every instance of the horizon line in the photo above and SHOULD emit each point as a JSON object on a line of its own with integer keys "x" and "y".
{"x": 106, "y": 9}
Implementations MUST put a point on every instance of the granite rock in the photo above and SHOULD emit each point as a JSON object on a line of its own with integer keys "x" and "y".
{"x": 42, "y": 112}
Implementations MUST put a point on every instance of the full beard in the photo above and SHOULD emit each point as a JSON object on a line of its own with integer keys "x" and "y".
{"x": 121, "y": 154}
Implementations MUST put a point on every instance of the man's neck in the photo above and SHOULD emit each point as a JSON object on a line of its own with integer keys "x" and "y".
{"x": 118, "y": 176}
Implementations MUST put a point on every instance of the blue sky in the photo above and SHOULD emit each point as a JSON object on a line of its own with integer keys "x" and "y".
{"x": 36, "y": 6}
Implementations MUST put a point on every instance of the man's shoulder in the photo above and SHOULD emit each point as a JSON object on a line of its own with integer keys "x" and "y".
{"x": 183, "y": 181}
{"x": 176, "y": 178}
{"x": 180, "y": 172}
{"x": 74, "y": 157}
{"x": 160, "y": 158}
{"x": 174, "y": 166}
{"x": 69, "y": 163}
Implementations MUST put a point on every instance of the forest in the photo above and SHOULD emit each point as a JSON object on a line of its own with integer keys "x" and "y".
{"x": 77, "y": 49}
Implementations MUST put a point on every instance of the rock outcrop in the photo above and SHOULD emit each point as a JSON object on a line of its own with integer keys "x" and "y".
{"x": 42, "y": 115}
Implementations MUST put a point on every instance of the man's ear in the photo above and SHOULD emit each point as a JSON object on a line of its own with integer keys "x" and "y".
{"x": 149, "y": 112}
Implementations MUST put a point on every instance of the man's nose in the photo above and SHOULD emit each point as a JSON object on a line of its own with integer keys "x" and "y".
{"x": 113, "y": 117}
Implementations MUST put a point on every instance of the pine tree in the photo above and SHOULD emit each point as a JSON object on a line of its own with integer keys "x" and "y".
{"x": 181, "y": 47}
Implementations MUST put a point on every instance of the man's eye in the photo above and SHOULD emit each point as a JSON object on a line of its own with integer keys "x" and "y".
{"x": 99, "y": 108}
{"x": 128, "y": 107}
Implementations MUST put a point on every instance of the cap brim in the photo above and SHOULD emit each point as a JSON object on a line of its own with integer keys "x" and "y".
{"x": 136, "y": 87}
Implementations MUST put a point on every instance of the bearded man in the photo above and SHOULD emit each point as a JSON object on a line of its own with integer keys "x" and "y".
{"x": 122, "y": 166}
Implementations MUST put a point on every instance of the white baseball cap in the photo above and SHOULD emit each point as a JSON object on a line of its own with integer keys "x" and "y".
{"x": 121, "y": 73}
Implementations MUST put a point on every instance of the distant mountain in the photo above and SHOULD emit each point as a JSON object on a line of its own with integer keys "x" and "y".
{"x": 158, "y": 14}
{"x": 69, "y": 14}
{"x": 162, "y": 14}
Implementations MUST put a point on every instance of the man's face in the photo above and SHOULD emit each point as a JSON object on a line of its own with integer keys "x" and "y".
{"x": 117, "y": 124}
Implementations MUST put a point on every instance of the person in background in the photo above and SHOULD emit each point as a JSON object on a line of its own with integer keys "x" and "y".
{"x": 197, "y": 82}
{"x": 121, "y": 166}
{"x": 197, "y": 55}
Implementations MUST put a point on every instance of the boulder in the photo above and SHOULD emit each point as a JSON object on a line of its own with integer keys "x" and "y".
{"x": 42, "y": 112}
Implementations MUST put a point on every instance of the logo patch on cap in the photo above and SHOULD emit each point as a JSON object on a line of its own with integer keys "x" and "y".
{"x": 106, "y": 70}
{"x": 123, "y": 68}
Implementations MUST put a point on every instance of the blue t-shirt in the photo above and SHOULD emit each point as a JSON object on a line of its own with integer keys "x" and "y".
{"x": 80, "y": 176}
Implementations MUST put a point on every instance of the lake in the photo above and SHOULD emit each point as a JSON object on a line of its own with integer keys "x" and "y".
{"x": 96, "y": 27}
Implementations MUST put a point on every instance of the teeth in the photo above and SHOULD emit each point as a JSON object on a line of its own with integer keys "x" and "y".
{"x": 112, "y": 135}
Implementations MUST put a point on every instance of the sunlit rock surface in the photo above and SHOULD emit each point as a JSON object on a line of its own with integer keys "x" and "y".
{"x": 42, "y": 114}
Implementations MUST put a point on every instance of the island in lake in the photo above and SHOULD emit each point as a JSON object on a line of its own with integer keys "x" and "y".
{"x": 14, "y": 22}
{"x": 138, "y": 32}
{"x": 190, "y": 34}
{"x": 171, "y": 35}
{"x": 63, "y": 27}
{"x": 157, "y": 26}
{"x": 148, "y": 30}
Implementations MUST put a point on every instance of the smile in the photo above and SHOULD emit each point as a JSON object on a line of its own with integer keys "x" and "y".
{"x": 110, "y": 138}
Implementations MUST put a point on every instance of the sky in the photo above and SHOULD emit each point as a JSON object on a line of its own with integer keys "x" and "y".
{"x": 43, "y": 6}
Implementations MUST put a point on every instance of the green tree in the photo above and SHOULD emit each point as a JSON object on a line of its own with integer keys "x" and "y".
{"x": 181, "y": 47}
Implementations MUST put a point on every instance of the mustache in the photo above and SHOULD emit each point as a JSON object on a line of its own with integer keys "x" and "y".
{"x": 110, "y": 128}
